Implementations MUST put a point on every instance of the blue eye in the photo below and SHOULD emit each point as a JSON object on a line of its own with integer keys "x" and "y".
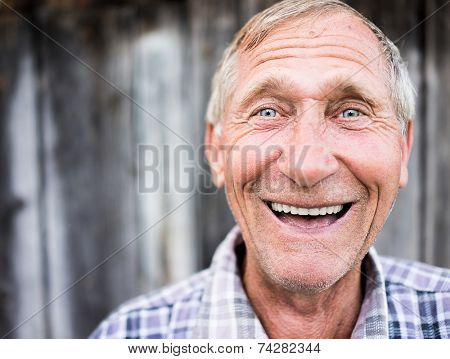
{"x": 351, "y": 112}
{"x": 267, "y": 112}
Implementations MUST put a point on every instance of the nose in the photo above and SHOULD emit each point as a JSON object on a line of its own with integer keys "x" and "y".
{"x": 307, "y": 164}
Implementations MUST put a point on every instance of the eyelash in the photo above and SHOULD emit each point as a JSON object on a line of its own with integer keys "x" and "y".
{"x": 265, "y": 107}
{"x": 352, "y": 106}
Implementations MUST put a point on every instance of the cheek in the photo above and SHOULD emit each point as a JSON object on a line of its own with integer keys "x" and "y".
{"x": 375, "y": 162}
{"x": 245, "y": 161}
{"x": 243, "y": 165}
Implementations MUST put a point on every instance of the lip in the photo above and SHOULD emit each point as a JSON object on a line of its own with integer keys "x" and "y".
{"x": 298, "y": 230}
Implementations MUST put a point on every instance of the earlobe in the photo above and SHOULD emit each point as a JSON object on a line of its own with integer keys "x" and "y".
{"x": 214, "y": 154}
{"x": 407, "y": 143}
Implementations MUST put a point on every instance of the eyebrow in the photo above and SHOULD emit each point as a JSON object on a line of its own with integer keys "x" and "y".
{"x": 333, "y": 90}
{"x": 277, "y": 87}
{"x": 339, "y": 87}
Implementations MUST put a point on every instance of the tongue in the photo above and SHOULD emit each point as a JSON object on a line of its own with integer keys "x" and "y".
{"x": 307, "y": 221}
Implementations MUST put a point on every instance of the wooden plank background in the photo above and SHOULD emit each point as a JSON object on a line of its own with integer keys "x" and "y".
{"x": 77, "y": 237}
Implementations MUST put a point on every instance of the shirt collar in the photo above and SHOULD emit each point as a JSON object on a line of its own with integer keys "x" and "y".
{"x": 225, "y": 311}
{"x": 372, "y": 321}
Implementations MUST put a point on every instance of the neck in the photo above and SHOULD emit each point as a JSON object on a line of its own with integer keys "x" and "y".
{"x": 329, "y": 313}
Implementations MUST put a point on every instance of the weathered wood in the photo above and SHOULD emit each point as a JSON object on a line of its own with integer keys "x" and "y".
{"x": 89, "y": 196}
{"x": 213, "y": 24}
{"x": 167, "y": 251}
{"x": 21, "y": 283}
{"x": 9, "y": 204}
{"x": 436, "y": 234}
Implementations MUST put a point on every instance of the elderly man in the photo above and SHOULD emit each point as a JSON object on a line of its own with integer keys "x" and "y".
{"x": 309, "y": 131}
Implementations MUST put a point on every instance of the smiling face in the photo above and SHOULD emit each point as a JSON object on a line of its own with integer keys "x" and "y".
{"x": 311, "y": 152}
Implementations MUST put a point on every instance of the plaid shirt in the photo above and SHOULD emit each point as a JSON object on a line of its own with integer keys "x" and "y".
{"x": 402, "y": 299}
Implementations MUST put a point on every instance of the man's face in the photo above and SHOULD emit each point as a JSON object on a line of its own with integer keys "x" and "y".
{"x": 310, "y": 130}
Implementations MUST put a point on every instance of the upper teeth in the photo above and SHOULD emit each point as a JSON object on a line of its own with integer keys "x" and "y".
{"x": 318, "y": 211}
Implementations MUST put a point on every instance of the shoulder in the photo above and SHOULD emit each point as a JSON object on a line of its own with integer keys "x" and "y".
{"x": 415, "y": 275}
{"x": 167, "y": 313}
{"x": 418, "y": 298}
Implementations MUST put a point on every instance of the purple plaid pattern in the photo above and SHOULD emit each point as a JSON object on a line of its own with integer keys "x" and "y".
{"x": 402, "y": 299}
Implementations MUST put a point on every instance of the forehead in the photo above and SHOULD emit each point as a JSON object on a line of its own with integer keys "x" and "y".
{"x": 315, "y": 49}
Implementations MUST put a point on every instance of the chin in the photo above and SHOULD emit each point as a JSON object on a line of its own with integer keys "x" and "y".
{"x": 313, "y": 274}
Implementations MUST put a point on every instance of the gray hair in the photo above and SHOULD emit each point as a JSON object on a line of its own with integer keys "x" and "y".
{"x": 259, "y": 26}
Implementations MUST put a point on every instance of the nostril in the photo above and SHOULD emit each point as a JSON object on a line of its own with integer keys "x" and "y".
{"x": 307, "y": 165}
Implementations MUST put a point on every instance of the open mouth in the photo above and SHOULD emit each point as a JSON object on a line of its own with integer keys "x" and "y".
{"x": 309, "y": 218}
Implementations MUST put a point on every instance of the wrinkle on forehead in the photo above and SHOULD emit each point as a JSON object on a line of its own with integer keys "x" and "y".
{"x": 324, "y": 42}
{"x": 321, "y": 53}
{"x": 337, "y": 35}
{"x": 325, "y": 25}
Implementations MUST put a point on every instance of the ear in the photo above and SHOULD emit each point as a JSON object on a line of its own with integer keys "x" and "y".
{"x": 214, "y": 154}
{"x": 407, "y": 143}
